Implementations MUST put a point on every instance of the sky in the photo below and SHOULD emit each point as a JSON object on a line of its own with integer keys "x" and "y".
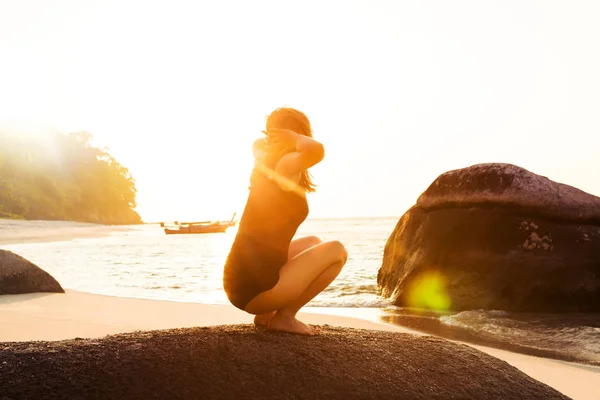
{"x": 397, "y": 91}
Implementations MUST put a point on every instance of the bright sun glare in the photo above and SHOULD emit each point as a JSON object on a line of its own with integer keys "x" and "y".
{"x": 398, "y": 93}
{"x": 30, "y": 129}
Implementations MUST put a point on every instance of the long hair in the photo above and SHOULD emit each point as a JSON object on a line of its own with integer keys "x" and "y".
{"x": 290, "y": 118}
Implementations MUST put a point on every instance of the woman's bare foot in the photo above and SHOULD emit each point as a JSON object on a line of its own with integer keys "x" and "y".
{"x": 289, "y": 324}
{"x": 263, "y": 319}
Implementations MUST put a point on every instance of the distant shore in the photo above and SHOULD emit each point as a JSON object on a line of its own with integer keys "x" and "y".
{"x": 14, "y": 231}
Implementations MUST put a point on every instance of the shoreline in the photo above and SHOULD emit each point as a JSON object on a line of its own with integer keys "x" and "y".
{"x": 53, "y": 316}
{"x": 15, "y": 232}
{"x": 387, "y": 316}
{"x": 435, "y": 327}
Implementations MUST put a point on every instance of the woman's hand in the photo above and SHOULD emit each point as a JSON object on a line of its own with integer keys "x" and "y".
{"x": 297, "y": 152}
{"x": 260, "y": 148}
{"x": 282, "y": 140}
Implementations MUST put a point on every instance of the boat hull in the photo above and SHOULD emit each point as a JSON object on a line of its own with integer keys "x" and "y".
{"x": 191, "y": 230}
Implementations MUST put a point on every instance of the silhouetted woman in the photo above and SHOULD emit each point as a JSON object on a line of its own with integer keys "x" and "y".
{"x": 267, "y": 273}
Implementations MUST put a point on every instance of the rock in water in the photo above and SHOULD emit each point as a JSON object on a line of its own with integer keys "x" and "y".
{"x": 17, "y": 276}
{"x": 496, "y": 236}
{"x": 512, "y": 187}
{"x": 241, "y": 362}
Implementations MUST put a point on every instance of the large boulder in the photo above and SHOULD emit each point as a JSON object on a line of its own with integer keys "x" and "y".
{"x": 496, "y": 236}
{"x": 241, "y": 362}
{"x": 17, "y": 276}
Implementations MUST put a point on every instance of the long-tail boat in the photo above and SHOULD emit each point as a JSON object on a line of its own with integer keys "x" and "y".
{"x": 201, "y": 227}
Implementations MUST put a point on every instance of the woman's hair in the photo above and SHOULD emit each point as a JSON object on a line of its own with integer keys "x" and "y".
{"x": 290, "y": 118}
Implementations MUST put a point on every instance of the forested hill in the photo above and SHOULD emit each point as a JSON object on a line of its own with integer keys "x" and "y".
{"x": 56, "y": 176}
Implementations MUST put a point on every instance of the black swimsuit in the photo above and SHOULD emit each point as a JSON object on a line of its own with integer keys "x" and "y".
{"x": 268, "y": 224}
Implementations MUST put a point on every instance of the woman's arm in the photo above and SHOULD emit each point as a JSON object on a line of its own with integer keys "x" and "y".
{"x": 312, "y": 150}
{"x": 259, "y": 148}
{"x": 304, "y": 152}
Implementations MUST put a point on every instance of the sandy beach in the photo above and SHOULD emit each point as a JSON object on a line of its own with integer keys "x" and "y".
{"x": 74, "y": 314}
{"x": 17, "y": 231}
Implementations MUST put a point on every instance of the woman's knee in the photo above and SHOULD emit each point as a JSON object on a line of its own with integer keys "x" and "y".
{"x": 299, "y": 245}
{"x": 313, "y": 240}
{"x": 338, "y": 250}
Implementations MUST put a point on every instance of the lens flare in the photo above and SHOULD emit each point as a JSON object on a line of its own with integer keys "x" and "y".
{"x": 428, "y": 291}
{"x": 284, "y": 182}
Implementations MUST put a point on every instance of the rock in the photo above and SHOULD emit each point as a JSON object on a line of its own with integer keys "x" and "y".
{"x": 512, "y": 187}
{"x": 496, "y": 236}
{"x": 241, "y": 362}
{"x": 17, "y": 276}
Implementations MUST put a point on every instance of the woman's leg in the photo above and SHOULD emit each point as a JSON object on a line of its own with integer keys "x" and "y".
{"x": 296, "y": 247}
{"x": 299, "y": 245}
{"x": 300, "y": 280}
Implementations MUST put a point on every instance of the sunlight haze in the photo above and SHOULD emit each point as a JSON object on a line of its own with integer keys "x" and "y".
{"x": 399, "y": 92}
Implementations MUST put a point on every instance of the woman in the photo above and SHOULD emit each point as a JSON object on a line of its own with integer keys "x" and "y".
{"x": 267, "y": 273}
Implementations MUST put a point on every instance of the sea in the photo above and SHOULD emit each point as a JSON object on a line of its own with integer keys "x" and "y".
{"x": 143, "y": 262}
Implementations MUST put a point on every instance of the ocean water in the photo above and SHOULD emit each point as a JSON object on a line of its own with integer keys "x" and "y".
{"x": 143, "y": 262}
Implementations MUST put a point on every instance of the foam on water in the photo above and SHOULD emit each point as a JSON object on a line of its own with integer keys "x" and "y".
{"x": 573, "y": 335}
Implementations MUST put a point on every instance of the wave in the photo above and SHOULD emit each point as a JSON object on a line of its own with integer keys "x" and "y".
{"x": 570, "y": 337}
{"x": 573, "y": 335}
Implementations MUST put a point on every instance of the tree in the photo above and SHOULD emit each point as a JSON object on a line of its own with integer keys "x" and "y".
{"x": 63, "y": 177}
